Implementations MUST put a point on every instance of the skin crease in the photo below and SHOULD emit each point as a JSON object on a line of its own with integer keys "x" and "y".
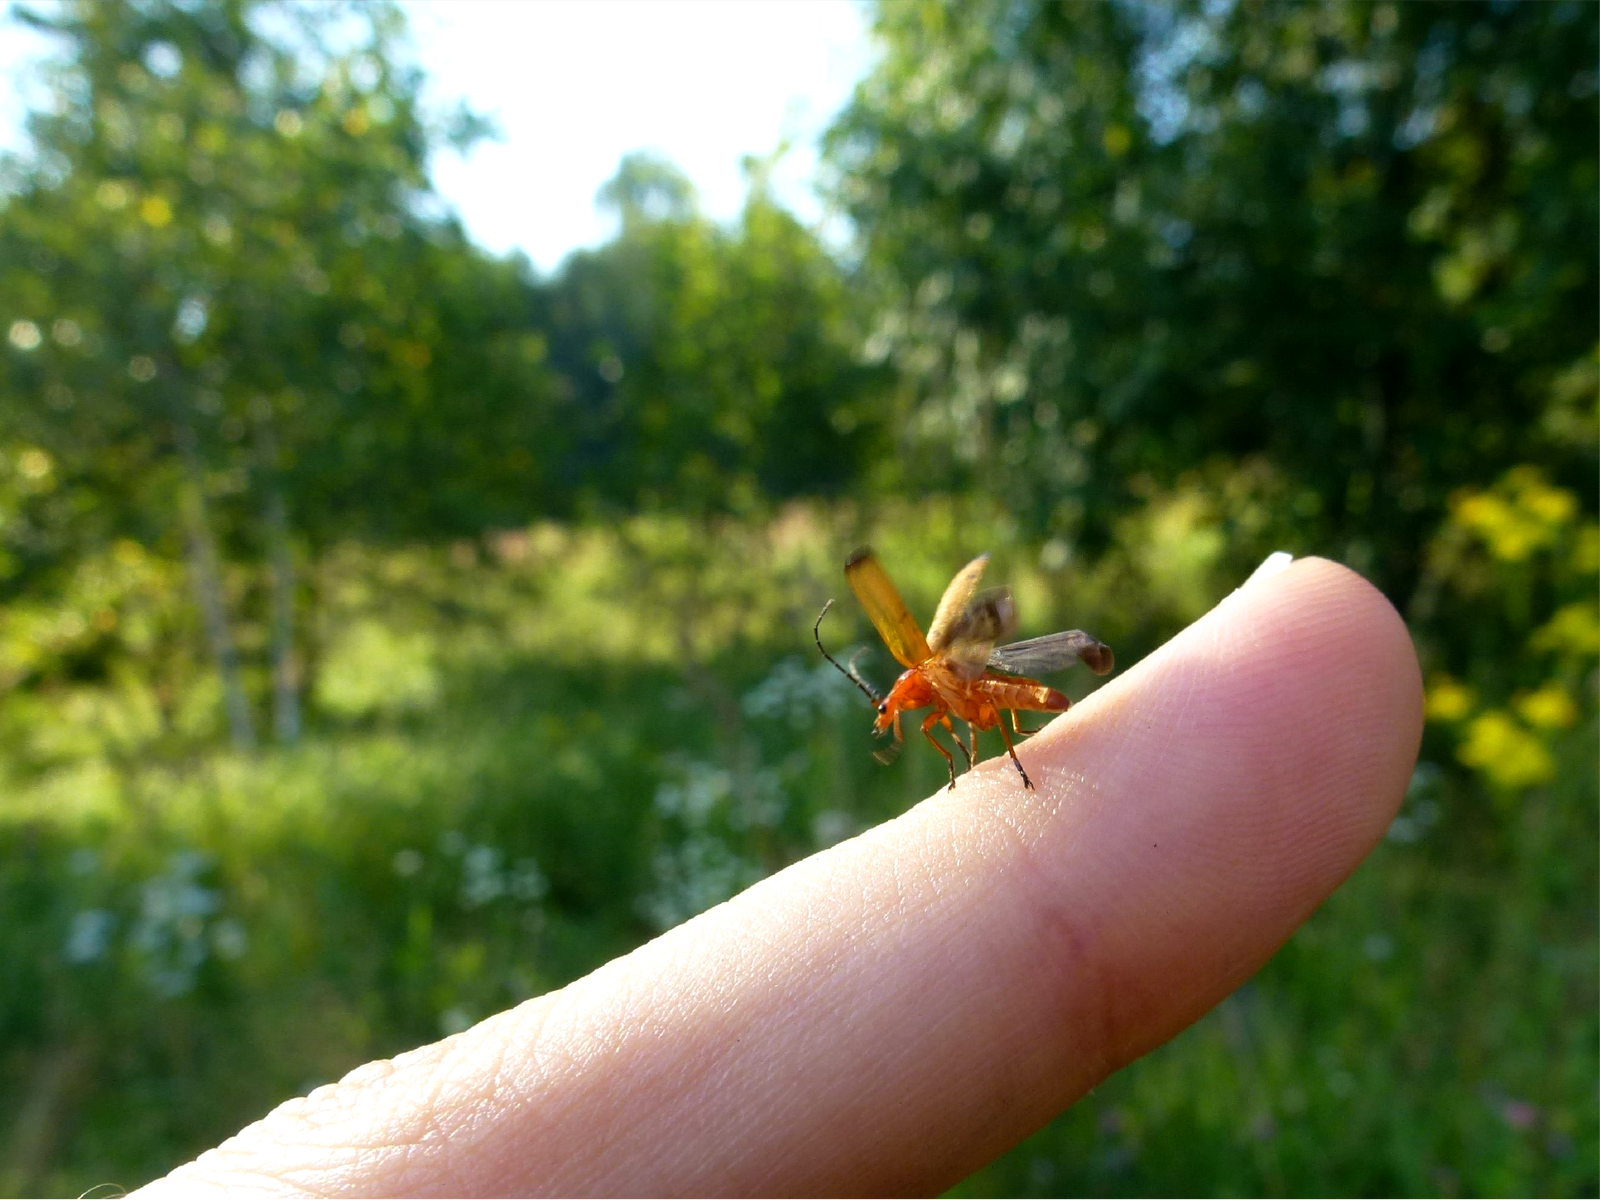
{"x": 890, "y": 1014}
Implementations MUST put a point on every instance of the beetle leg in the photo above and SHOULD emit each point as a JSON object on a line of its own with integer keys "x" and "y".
{"x": 1012, "y": 750}
{"x": 1017, "y": 725}
{"x": 956, "y": 737}
{"x": 927, "y": 732}
{"x": 887, "y": 754}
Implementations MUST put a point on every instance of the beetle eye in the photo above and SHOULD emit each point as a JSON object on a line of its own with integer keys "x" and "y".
{"x": 883, "y": 708}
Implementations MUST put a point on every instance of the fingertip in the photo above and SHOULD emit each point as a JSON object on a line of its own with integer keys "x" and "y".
{"x": 1311, "y": 659}
{"x": 1337, "y": 677}
{"x": 1195, "y": 810}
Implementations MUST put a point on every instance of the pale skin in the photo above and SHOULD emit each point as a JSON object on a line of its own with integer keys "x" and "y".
{"x": 890, "y": 1014}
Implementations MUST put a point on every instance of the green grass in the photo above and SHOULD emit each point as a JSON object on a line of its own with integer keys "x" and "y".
{"x": 525, "y": 760}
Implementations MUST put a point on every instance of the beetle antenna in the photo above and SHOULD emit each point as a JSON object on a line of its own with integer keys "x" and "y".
{"x": 849, "y": 672}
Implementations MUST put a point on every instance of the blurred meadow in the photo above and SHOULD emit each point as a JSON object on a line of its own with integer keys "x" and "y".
{"x": 390, "y": 632}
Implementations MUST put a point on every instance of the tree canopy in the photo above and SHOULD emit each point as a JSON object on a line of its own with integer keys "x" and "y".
{"x": 1353, "y": 243}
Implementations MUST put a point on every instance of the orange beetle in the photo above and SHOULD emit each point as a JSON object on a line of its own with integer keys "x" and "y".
{"x": 949, "y": 670}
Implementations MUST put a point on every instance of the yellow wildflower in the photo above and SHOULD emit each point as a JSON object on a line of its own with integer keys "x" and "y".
{"x": 1549, "y": 707}
{"x": 1505, "y": 753}
{"x": 1575, "y": 629}
{"x": 1447, "y": 699}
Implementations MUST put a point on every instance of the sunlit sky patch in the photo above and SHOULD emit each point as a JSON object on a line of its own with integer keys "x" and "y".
{"x": 574, "y": 86}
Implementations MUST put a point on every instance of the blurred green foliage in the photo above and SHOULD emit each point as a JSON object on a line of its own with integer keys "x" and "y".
{"x": 1348, "y": 246}
{"x": 521, "y": 568}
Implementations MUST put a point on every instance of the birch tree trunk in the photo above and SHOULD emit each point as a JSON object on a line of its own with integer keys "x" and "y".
{"x": 206, "y": 578}
{"x": 285, "y": 662}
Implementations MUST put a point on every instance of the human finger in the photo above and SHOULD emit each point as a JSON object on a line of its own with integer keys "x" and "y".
{"x": 890, "y": 1014}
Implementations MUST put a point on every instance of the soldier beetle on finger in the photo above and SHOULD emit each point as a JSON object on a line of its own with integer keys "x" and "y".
{"x": 956, "y": 669}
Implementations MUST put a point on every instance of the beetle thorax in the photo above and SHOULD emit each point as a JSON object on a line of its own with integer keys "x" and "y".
{"x": 911, "y": 690}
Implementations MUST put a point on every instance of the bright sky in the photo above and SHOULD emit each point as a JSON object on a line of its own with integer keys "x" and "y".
{"x": 576, "y": 84}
